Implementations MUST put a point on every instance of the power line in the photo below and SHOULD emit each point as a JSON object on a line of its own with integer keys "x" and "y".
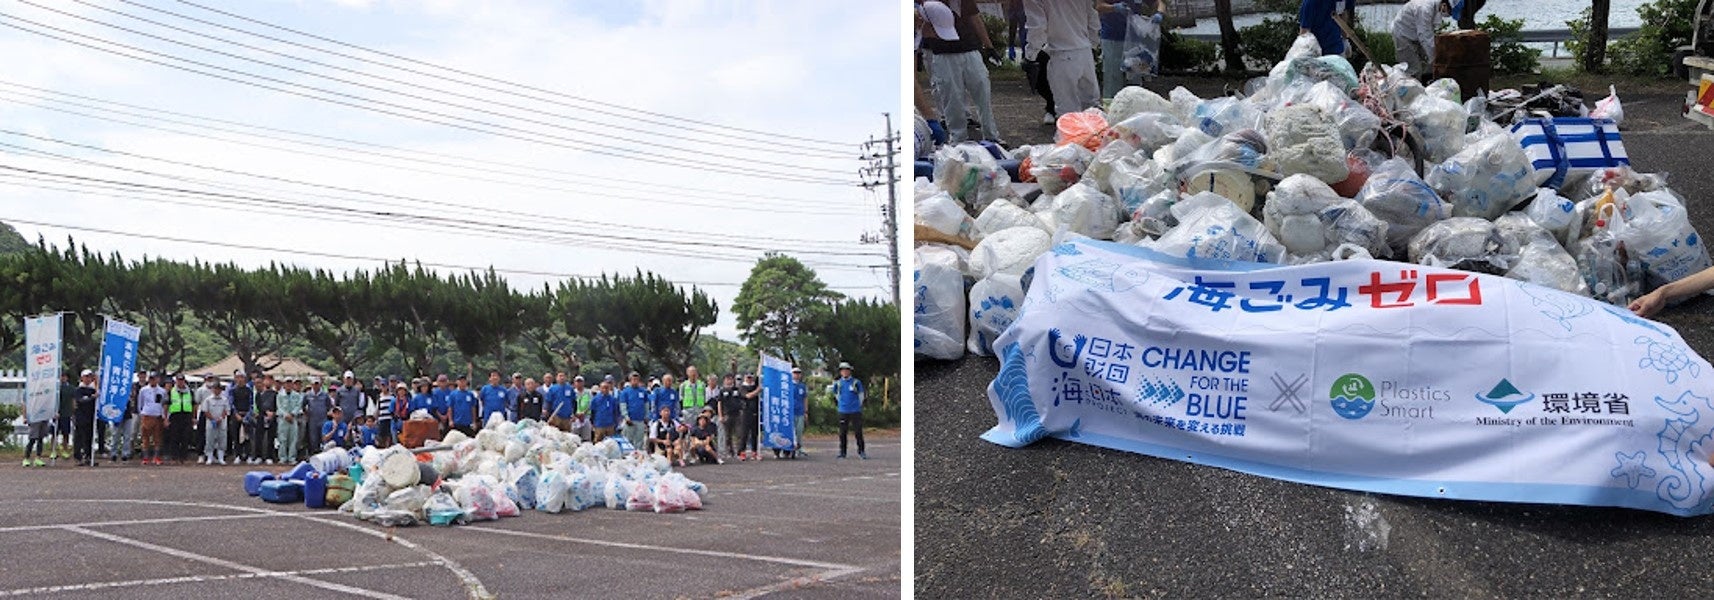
{"x": 774, "y": 148}
{"x": 578, "y": 178}
{"x": 563, "y": 141}
{"x": 451, "y": 69}
{"x": 297, "y": 152}
{"x": 156, "y": 237}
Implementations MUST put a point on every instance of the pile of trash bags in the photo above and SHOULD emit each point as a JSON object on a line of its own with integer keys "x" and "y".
{"x": 506, "y": 469}
{"x": 1294, "y": 171}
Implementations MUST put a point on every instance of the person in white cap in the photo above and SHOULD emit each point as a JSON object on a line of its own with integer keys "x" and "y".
{"x": 850, "y": 395}
{"x": 1065, "y": 31}
{"x": 954, "y": 43}
{"x": 215, "y": 409}
{"x": 84, "y": 429}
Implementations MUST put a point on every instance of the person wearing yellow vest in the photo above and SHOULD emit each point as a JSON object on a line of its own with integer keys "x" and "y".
{"x": 181, "y": 416}
{"x": 580, "y": 423}
{"x": 692, "y": 395}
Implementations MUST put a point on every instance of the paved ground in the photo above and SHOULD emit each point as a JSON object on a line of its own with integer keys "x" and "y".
{"x": 1066, "y": 520}
{"x": 817, "y": 528}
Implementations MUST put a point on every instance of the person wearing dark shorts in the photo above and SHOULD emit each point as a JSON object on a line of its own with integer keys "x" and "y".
{"x": 701, "y": 439}
{"x": 665, "y": 434}
{"x": 729, "y": 404}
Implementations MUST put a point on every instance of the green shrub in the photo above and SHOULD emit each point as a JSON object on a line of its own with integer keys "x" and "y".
{"x": 1579, "y": 35}
{"x": 997, "y": 29}
{"x": 878, "y": 412}
{"x": 1267, "y": 42}
{"x": 1666, "y": 25}
{"x": 1509, "y": 55}
{"x": 1179, "y": 53}
{"x": 8, "y": 412}
{"x": 1379, "y": 43}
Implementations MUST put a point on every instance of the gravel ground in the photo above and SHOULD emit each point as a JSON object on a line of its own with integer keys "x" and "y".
{"x": 1058, "y": 519}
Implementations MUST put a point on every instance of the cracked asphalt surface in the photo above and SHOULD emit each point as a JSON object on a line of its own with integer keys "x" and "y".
{"x": 1058, "y": 519}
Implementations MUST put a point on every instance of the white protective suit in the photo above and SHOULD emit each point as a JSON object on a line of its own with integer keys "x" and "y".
{"x": 1067, "y": 31}
{"x": 1413, "y": 35}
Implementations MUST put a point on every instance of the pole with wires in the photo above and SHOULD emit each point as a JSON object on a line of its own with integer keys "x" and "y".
{"x": 884, "y": 164}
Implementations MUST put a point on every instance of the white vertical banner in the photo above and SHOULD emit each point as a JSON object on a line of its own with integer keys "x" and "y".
{"x": 41, "y": 366}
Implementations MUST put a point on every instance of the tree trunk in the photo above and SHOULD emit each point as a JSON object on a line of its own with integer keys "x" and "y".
{"x": 1595, "y": 51}
{"x": 1228, "y": 36}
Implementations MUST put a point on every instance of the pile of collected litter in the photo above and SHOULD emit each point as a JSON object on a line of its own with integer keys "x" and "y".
{"x": 506, "y": 469}
{"x": 1315, "y": 162}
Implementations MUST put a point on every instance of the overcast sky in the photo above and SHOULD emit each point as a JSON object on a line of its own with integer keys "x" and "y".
{"x": 821, "y": 71}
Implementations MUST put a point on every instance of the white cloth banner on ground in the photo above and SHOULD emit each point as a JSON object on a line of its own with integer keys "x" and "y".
{"x": 41, "y": 367}
{"x": 1365, "y": 375}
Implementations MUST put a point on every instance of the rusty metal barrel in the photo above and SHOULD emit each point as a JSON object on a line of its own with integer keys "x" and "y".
{"x": 1464, "y": 56}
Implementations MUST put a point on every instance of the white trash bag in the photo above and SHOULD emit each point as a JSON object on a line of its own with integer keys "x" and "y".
{"x": 1311, "y": 221}
{"x": 1541, "y": 260}
{"x": 1211, "y": 227}
{"x": 1396, "y": 195}
{"x": 994, "y": 304}
{"x": 1466, "y": 243}
{"x": 940, "y": 305}
{"x": 1656, "y": 229}
{"x": 1485, "y": 179}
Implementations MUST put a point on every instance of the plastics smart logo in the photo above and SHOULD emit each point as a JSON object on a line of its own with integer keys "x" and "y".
{"x": 1353, "y": 396}
{"x": 1505, "y": 396}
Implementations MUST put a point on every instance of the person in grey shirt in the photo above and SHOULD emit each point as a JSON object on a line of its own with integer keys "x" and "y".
{"x": 316, "y": 404}
{"x": 350, "y": 397}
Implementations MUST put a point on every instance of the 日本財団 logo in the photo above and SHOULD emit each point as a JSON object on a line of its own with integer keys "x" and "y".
{"x": 1353, "y": 396}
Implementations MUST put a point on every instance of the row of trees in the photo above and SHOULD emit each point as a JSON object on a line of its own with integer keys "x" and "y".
{"x": 415, "y": 316}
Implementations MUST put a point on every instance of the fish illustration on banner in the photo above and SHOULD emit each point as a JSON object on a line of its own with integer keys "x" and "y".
{"x": 1364, "y": 375}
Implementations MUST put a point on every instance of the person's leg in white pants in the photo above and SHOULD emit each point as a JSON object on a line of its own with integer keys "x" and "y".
{"x": 948, "y": 84}
{"x": 1412, "y": 54}
{"x": 1112, "y": 68}
{"x": 974, "y": 73}
{"x": 1071, "y": 74}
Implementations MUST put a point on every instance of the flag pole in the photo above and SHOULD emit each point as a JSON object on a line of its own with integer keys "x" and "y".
{"x": 100, "y": 383}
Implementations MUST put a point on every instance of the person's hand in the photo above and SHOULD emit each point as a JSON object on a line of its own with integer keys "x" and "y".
{"x": 1648, "y": 305}
{"x": 993, "y": 55}
{"x": 937, "y": 132}
{"x": 1301, "y": 31}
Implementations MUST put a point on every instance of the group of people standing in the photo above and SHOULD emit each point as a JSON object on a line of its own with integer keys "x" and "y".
{"x": 260, "y": 419}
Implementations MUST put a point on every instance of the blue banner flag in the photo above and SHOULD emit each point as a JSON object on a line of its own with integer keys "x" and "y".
{"x": 776, "y": 415}
{"x": 118, "y": 363}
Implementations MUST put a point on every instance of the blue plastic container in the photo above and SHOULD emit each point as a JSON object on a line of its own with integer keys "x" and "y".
{"x": 253, "y": 481}
{"x": 315, "y": 490}
{"x": 299, "y": 472}
{"x": 282, "y": 492}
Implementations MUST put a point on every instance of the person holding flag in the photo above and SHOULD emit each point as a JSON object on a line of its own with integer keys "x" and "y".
{"x": 850, "y": 393}
{"x": 800, "y": 411}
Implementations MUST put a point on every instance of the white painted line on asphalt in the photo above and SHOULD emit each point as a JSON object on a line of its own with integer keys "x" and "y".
{"x": 795, "y": 562}
{"x": 130, "y": 522}
{"x": 472, "y": 586}
{"x": 82, "y": 587}
{"x": 221, "y": 562}
{"x": 791, "y": 584}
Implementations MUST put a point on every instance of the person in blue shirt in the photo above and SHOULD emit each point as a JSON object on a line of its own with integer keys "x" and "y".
{"x": 604, "y": 411}
{"x": 463, "y": 407}
{"x": 368, "y": 431}
{"x": 1316, "y": 17}
{"x": 562, "y": 406}
{"x": 800, "y": 411}
{"x": 635, "y": 400}
{"x": 441, "y": 408}
{"x": 421, "y": 400}
{"x": 334, "y": 432}
{"x": 850, "y": 394}
{"x": 667, "y": 396}
{"x": 512, "y": 393}
{"x": 493, "y": 398}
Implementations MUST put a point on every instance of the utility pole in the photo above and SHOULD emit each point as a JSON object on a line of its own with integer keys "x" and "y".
{"x": 884, "y": 164}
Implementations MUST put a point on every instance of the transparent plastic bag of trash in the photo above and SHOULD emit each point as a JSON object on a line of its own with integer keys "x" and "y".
{"x": 1212, "y": 227}
{"x": 1101, "y": 166}
{"x": 1357, "y": 125}
{"x": 1656, "y": 228}
{"x": 944, "y": 214}
{"x": 1541, "y": 260}
{"x": 1466, "y": 243}
{"x": 940, "y": 305}
{"x": 1487, "y": 179}
{"x": 1142, "y": 48}
{"x": 1396, "y": 195}
{"x": 443, "y": 510}
{"x": 1136, "y": 99}
{"x": 1059, "y": 167}
{"x": 994, "y": 304}
{"x": 1135, "y": 179}
{"x": 1083, "y": 210}
{"x": 1311, "y": 221}
{"x": 1301, "y": 138}
{"x": 1554, "y": 213}
{"x": 552, "y": 489}
{"x": 1008, "y": 251}
{"x": 1148, "y": 131}
{"x": 1244, "y": 148}
{"x": 1612, "y": 273}
{"x": 1183, "y": 104}
{"x": 971, "y": 174}
{"x": 1001, "y": 216}
{"x": 1441, "y": 124}
{"x": 1223, "y": 115}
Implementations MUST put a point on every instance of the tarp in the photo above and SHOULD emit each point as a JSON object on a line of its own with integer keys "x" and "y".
{"x": 777, "y": 424}
{"x": 41, "y": 367}
{"x": 118, "y": 366}
{"x": 1363, "y": 375}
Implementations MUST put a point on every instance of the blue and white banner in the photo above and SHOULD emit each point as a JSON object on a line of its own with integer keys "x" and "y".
{"x": 1365, "y": 375}
{"x": 41, "y": 367}
{"x": 118, "y": 368}
{"x": 777, "y": 422}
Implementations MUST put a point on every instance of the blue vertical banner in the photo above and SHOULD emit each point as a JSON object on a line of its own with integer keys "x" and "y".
{"x": 118, "y": 364}
{"x": 41, "y": 367}
{"x": 777, "y": 404}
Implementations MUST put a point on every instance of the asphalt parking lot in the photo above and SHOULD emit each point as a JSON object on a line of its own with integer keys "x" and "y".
{"x": 816, "y": 528}
{"x": 1057, "y": 519}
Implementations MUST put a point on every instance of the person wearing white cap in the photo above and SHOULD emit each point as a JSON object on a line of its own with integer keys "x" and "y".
{"x": 954, "y": 43}
{"x": 1066, "y": 32}
{"x": 216, "y": 409}
{"x": 350, "y": 397}
{"x": 850, "y": 391}
{"x": 83, "y": 438}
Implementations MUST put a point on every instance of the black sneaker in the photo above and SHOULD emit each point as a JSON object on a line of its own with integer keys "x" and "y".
{"x": 841, "y": 455}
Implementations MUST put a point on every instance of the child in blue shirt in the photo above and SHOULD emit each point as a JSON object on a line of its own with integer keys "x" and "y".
{"x": 334, "y": 432}
{"x": 368, "y": 431}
